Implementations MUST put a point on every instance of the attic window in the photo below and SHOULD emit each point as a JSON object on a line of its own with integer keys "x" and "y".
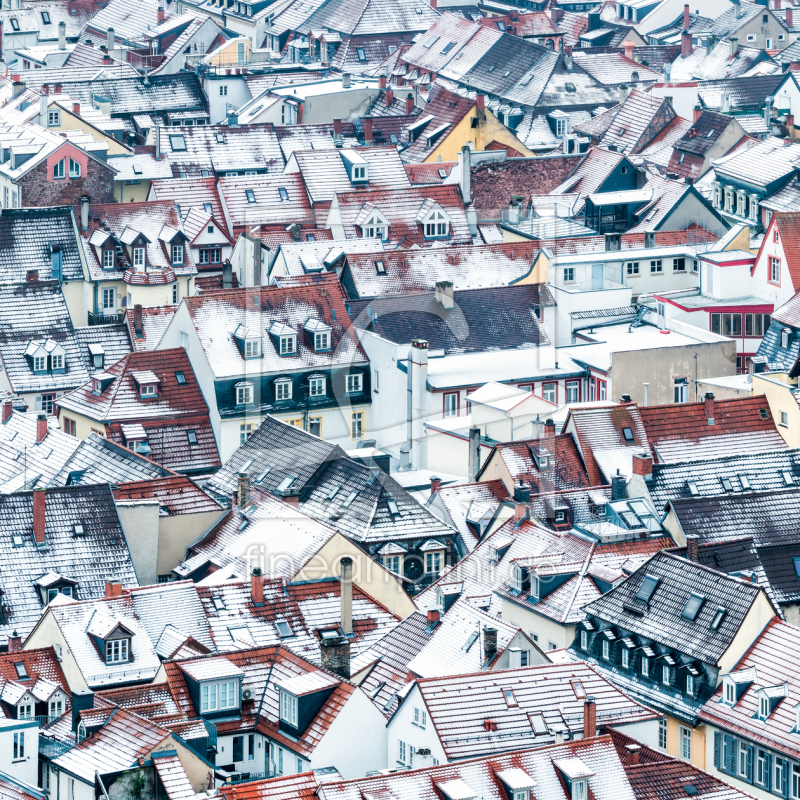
{"x": 360, "y": 54}
{"x": 718, "y": 617}
{"x": 570, "y": 87}
{"x": 726, "y": 484}
{"x": 250, "y": 195}
{"x": 219, "y": 603}
{"x": 693, "y": 606}
{"x": 283, "y": 194}
{"x": 537, "y": 723}
{"x": 18, "y": 540}
{"x": 491, "y": 68}
{"x": 647, "y": 588}
{"x": 627, "y": 435}
{"x": 745, "y": 481}
{"x": 333, "y": 492}
{"x": 352, "y": 496}
{"x": 508, "y": 696}
{"x": 430, "y": 43}
{"x": 284, "y": 629}
{"x": 692, "y": 487}
{"x": 22, "y": 673}
{"x": 78, "y": 529}
{"x": 443, "y": 173}
{"x": 264, "y": 474}
{"x": 192, "y": 437}
{"x": 180, "y": 378}
{"x": 220, "y": 138}
{"x": 177, "y": 142}
{"x": 393, "y": 509}
{"x": 473, "y": 637}
{"x": 788, "y": 478}
{"x": 764, "y": 413}
{"x": 380, "y": 267}
{"x": 577, "y": 688}
{"x": 137, "y": 169}
{"x": 208, "y": 208}
{"x": 14, "y": 24}
{"x": 447, "y": 48}
{"x": 710, "y": 133}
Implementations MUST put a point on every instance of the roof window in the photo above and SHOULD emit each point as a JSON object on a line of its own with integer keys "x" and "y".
{"x": 180, "y": 377}
{"x": 431, "y": 42}
{"x": 250, "y": 195}
{"x": 508, "y": 696}
{"x": 347, "y": 503}
{"x": 627, "y": 435}
{"x": 360, "y": 54}
{"x": 333, "y": 492}
{"x": 220, "y": 138}
{"x": 788, "y": 478}
{"x": 22, "y": 672}
{"x": 537, "y": 723}
{"x": 693, "y": 606}
{"x": 208, "y": 208}
{"x": 577, "y": 688}
{"x": 264, "y": 474}
{"x": 745, "y": 481}
{"x": 719, "y": 615}
{"x": 177, "y": 142}
{"x": 647, "y": 588}
{"x": 192, "y": 437}
{"x": 726, "y": 484}
{"x": 137, "y": 169}
{"x": 692, "y": 487}
{"x": 284, "y": 629}
{"x": 764, "y": 413}
{"x": 219, "y": 603}
{"x": 286, "y": 483}
{"x": 447, "y": 48}
{"x": 78, "y": 529}
{"x": 473, "y": 637}
{"x": 380, "y": 267}
{"x": 284, "y": 195}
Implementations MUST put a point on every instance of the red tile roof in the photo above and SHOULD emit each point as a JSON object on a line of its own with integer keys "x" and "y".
{"x": 154, "y": 323}
{"x": 789, "y": 228}
{"x": 429, "y": 173}
{"x": 302, "y": 786}
{"x": 267, "y": 208}
{"x": 190, "y": 193}
{"x": 446, "y": 108}
{"x": 682, "y": 432}
{"x": 39, "y": 663}
{"x": 178, "y": 495}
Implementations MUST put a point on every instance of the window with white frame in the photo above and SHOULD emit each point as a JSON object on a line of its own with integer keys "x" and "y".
{"x": 549, "y": 392}
{"x": 316, "y": 387}
{"x": 392, "y": 563}
{"x": 283, "y": 389}
{"x": 218, "y": 696}
{"x": 743, "y": 759}
{"x": 690, "y": 684}
{"x": 57, "y": 362}
{"x": 420, "y": 717}
{"x": 644, "y": 666}
{"x": 584, "y": 640}
{"x": 795, "y": 786}
{"x": 606, "y": 649}
{"x": 433, "y": 562}
{"x": 572, "y": 391}
{"x": 287, "y": 345}
{"x": 761, "y": 767}
{"x": 730, "y": 693}
{"x": 19, "y": 745}
{"x": 401, "y": 751}
{"x": 774, "y": 269}
{"x": 177, "y": 254}
{"x": 685, "y": 743}
{"x": 436, "y": 224}
{"x": 625, "y": 658}
{"x": 354, "y": 382}
{"x": 289, "y": 708}
{"x": 252, "y": 348}
{"x": 244, "y": 394}
{"x": 763, "y": 707}
{"x": 39, "y": 363}
{"x": 53, "y": 119}
{"x": 74, "y": 168}
{"x": 569, "y": 274}
{"x": 665, "y": 674}
{"x": 25, "y": 711}
{"x": 58, "y": 170}
{"x": 656, "y": 266}
{"x": 117, "y": 650}
{"x": 375, "y": 227}
{"x": 451, "y": 404}
{"x": 662, "y": 734}
{"x": 108, "y": 259}
{"x": 138, "y": 256}
{"x": 633, "y": 267}
{"x": 55, "y": 707}
{"x": 321, "y": 340}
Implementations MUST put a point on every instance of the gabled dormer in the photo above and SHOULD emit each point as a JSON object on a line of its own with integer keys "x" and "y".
{"x": 434, "y": 220}
{"x": 136, "y": 245}
{"x": 248, "y": 341}
{"x": 111, "y": 638}
{"x": 135, "y": 438}
{"x": 147, "y": 383}
{"x": 300, "y": 699}
{"x": 101, "y": 382}
{"x": 174, "y": 242}
{"x": 105, "y": 249}
{"x": 18, "y": 700}
{"x": 576, "y": 776}
{"x": 769, "y": 698}
{"x": 51, "y": 584}
{"x": 46, "y": 356}
{"x": 372, "y": 223}
{"x": 37, "y": 357}
{"x": 215, "y": 686}
{"x": 284, "y": 337}
{"x": 319, "y": 335}
{"x": 357, "y": 167}
{"x": 518, "y": 784}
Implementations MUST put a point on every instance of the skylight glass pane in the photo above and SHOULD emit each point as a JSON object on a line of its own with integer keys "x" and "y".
{"x": 647, "y": 588}
{"x": 745, "y": 481}
{"x": 720, "y": 615}
{"x": 284, "y": 629}
{"x": 284, "y": 485}
{"x": 264, "y": 474}
{"x": 347, "y": 503}
{"x": 219, "y": 603}
{"x": 726, "y": 484}
{"x": 537, "y": 723}
{"x": 693, "y": 606}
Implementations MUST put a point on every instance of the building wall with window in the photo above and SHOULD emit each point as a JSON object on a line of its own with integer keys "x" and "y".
{"x": 409, "y": 730}
{"x": 60, "y": 118}
{"x": 545, "y": 632}
{"x": 778, "y": 388}
{"x": 19, "y": 750}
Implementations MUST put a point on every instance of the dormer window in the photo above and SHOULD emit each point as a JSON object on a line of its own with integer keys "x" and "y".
{"x": 579, "y": 790}
{"x": 785, "y": 337}
{"x": 316, "y": 387}
{"x": 40, "y": 364}
{"x": 218, "y": 696}
{"x": 319, "y": 333}
{"x": 729, "y": 692}
{"x": 108, "y": 259}
{"x": 244, "y": 393}
{"x": 518, "y": 578}
{"x": 283, "y": 389}
{"x": 117, "y": 651}
{"x": 322, "y": 341}
{"x": 177, "y": 254}
{"x": 354, "y": 382}
{"x": 763, "y": 707}
{"x": 288, "y": 708}
{"x": 359, "y": 174}
{"x": 138, "y": 256}
{"x": 436, "y": 225}
{"x": 375, "y": 227}
{"x": 148, "y": 390}
{"x": 287, "y": 345}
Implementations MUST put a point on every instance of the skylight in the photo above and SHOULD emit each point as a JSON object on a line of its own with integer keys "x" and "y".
{"x": 180, "y": 378}
{"x": 208, "y": 208}
{"x": 177, "y": 142}
{"x": 192, "y": 437}
{"x": 647, "y": 588}
{"x": 137, "y": 169}
{"x": 431, "y": 42}
{"x": 508, "y": 696}
{"x": 726, "y": 484}
{"x": 246, "y": 466}
{"x": 788, "y": 478}
{"x": 352, "y": 496}
{"x": 78, "y": 529}
{"x": 250, "y": 195}
{"x": 442, "y": 173}
{"x": 710, "y": 133}
{"x": 577, "y": 688}
{"x": 692, "y": 487}
{"x": 284, "y": 485}
{"x": 745, "y": 481}
{"x": 284, "y": 195}
{"x": 720, "y": 615}
{"x": 470, "y": 641}
{"x": 219, "y": 603}
{"x": 693, "y": 606}
{"x": 264, "y": 474}
{"x": 393, "y": 509}
{"x": 333, "y": 492}
{"x": 447, "y": 48}
{"x": 360, "y": 54}
{"x": 22, "y": 672}
{"x": 537, "y": 723}
{"x": 627, "y": 435}
{"x": 380, "y": 267}
{"x": 220, "y": 138}
{"x": 284, "y": 629}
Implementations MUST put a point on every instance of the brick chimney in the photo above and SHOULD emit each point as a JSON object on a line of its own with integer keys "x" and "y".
{"x": 367, "y": 122}
{"x": 633, "y": 751}
{"x": 14, "y": 643}
{"x": 789, "y": 18}
{"x": 57, "y": 89}
{"x": 409, "y": 104}
{"x": 346, "y": 595}
{"x": 381, "y": 81}
{"x": 243, "y": 490}
{"x": 520, "y": 509}
{"x": 335, "y": 656}
{"x": 389, "y": 97}
{"x": 489, "y": 644}
{"x": 692, "y": 541}
{"x": 38, "y": 515}
{"x": 708, "y": 403}
{"x": 41, "y": 427}
{"x": 480, "y": 102}
{"x": 628, "y": 47}
{"x": 76, "y": 108}
{"x": 686, "y": 44}
{"x": 686, "y": 17}
{"x": 643, "y": 465}
{"x": 589, "y": 718}
{"x": 32, "y": 275}
{"x": 257, "y": 587}
{"x": 113, "y": 587}
{"x": 436, "y": 484}
{"x": 433, "y": 618}
{"x": 337, "y": 127}
{"x": 698, "y": 110}
{"x": 137, "y": 320}
{"x": 549, "y": 429}
{"x": 8, "y": 410}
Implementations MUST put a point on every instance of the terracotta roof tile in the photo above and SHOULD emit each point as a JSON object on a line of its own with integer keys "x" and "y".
{"x": 178, "y": 495}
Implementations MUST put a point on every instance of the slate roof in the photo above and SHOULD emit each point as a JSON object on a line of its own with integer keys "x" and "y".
{"x": 302, "y": 786}
{"x": 466, "y": 503}
{"x": 458, "y": 705}
{"x": 589, "y": 175}
{"x": 263, "y": 668}
{"x": 761, "y": 471}
{"x": 242, "y": 148}
{"x": 98, "y": 460}
{"x": 101, "y": 552}
{"x": 660, "y": 620}
{"x": 774, "y": 657}
{"x": 114, "y": 339}
{"x": 129, "y": 23}
{"x": 25, "y": 238}
{"x": 613, "y": 69}
{"x": 35, "y": 311}
{"x": 767, "y": 516}
{"x": 499, "y": 318}
{"x": 637, "y": 121}
{"x": 162, "y": 93}
{"x": 682, "y": 431}
{"x": 747, "y": 93}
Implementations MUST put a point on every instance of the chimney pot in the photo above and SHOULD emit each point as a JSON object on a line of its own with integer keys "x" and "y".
{"x": 549, "y": 429}
{"x": 692, "y": 542}
{"x": 8, "y": 410}
{"x": 41, "y": 427}
{"x": 436, "y": 484}
{"x": 589, "y": 718}
{"x": 686, "y": 16}
{"x": 708, "y": 403}
{"x": 381, "y": 81}
{"x": 389, "y": 97}
{"x": 113, "y": 587}
{"x": 39, "y": 506}
{"x": 367, "y": 122}
{"x": 257, "y": 587}
{"x": 409, "y": 104}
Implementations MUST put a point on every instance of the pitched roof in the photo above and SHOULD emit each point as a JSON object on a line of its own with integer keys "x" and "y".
{"x": 189, "y": 193}
{"x": 462, "y": 328}
{"x": 175, "y": 495}
{"x": 302, "y": 786}
{"x": 682, "y": 431}
{"x": 154, "y": 322}
{"x": 637, "y": 122}
{"x": 370, "y": 17}
{"x": 87, "y": 559}
{"x": 661, "y": 619}
{"x": 458, "y": 706}
{"x": 267, "y": 206}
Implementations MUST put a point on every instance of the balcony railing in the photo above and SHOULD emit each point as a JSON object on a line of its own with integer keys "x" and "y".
{"x": 106, "y": 319}
{"x": 45, "y": 721}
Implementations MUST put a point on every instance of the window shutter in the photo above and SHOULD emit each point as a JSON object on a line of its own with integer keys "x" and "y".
{"x": 785, "y": 778}
{"x": 716, "y": 749}
{"x": 768, "y": 771}
{"x": 730, "y": 754}
{"x": 750, "y": 763}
